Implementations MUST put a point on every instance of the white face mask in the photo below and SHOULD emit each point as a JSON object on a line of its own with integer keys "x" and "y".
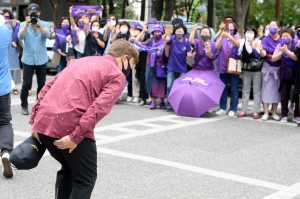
{"x": 267, "y": 32}
{"x": 95, "y": 29}
{"x": 113, "y": 22}
{"x": 249, "y": 36}
{"x": 124, "y": 30}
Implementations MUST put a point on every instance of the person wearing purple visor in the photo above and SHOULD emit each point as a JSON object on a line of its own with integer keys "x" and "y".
{"x": 155, "y": 86}
{"x": 285, "y": 52}
{"x": 177, "y": 50}
{"x": 138, "y": 72}
{"x": 270, "y": 71}
{"x": 226, "y": 44}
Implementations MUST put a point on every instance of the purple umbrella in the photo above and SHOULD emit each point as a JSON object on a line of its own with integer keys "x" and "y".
{"x": 195, "y": 93}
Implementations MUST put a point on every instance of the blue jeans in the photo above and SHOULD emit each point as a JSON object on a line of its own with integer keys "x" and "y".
{"x": 171, "y": 76}
{"x": 79, "y": 55}
{"x": 234, "y": 87}
{"x": 62, "y": 64}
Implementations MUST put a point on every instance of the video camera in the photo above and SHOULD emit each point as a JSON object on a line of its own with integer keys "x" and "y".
{"x": 33, "y": 18}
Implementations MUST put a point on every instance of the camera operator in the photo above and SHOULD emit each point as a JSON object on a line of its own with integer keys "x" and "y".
{"x": 34, "y": 32}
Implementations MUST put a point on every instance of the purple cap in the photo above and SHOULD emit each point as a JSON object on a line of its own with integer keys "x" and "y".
{"x": 136, "y": 25}
{"x": 152, "y": 21}
{"x": 157, "y": 27}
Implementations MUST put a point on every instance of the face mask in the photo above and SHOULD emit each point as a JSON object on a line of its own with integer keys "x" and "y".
{"x": 113, "y": 22}
{"x": 81, "y": 25}
{"x": 127, "y": 71}
{"x": 124, "y": 30}
{"x": 158, "y": 37}
{"x": 267, "y": 32}
{"x": 7, "y": 17}
{"x": 285, "y": 41}
{"x": 65, "y": 27}
{"x": 136, "y": 33}
{"x": 204, "y": 37}
{"x": 273, "y": 31}
{"x": 95, "y": 29}
{"x": 298, "y": 34}
{"x": 231, "y": 31}
{"x": 249, "y": 36}
{"x": 179, "y": 36}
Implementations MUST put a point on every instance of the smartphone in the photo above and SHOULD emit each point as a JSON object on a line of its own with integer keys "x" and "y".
{"x": 226, "y": 21}
{"x": 227, "y": 29}
{"x": 108, "y": 21}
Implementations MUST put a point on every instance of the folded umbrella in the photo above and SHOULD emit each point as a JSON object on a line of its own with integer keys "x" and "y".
{"x": 195, "y": 93}
{"x": 27, "y": 154}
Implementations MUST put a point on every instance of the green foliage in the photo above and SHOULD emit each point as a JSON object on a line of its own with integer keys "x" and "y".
{"x": 223, "y": 8}
{"x": 263, "y": 13}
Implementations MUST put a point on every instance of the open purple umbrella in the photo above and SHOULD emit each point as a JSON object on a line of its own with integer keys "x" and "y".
{"x": 195, "y": 93}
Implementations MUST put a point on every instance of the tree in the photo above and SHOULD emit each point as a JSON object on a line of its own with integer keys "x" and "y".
{"x": 157, "y": 9}
{"x": 240, "y": 11}
{"x": 56, "y": 6}
{"x": 169, "y": 10}
{"x": 111, "y": 7}
{"x": 143, "y": 9}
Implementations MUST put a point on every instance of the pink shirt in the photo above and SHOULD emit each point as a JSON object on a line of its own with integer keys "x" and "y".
{"x": 78, "y": 98}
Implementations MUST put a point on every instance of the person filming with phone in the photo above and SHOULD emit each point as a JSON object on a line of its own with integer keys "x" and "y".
{"x": 34, "y": 33}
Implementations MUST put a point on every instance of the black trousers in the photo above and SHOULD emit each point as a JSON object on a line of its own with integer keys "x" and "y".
{"x": 78, "y": 174}
{"x": 6, "y": 130}
{"x": 285, "y": 97}
{"x": 28, "y": 72}
{"x": 129, "y": 86}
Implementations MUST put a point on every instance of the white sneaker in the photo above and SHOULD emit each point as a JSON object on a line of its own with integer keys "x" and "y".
{"x": 231, "y": 114}
{"x": 6, "y": 166}
{"x": 221, "y": 112}
{"x": 129, "y": 99}
{"x": 135, "y": 100}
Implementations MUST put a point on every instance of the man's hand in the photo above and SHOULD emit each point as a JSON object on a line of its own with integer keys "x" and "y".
{"x": 28, "y": 21}
{"x": 65, "y": 143}
{"x": 36, "y": 136}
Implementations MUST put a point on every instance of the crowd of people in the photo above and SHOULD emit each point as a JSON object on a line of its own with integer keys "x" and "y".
{"x": 269, "y": 58}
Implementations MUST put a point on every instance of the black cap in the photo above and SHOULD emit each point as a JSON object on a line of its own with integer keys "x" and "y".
{"x": 27, "y": 154}
{"x": 177, "y": 21}
{"x": 33, "y": 8}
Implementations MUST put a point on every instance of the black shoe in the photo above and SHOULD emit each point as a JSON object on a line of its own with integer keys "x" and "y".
{"x": 25, "y": 111}
{"x": 6, "y": 166}
{"x": 169, "y": 109}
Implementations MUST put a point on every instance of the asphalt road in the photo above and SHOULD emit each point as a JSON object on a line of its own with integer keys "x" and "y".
{"x": 146, "y": 153}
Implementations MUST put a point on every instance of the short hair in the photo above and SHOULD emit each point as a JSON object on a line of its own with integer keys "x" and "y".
{"x": 231, "y": 17}
{"x": 297, "y": 26}
{"x": 206, "y": 27}
{"x": 288, "y": 30}
{"x": 234, "y": 26}
{"x": 127, "y": 24}
{"x": 11, "y": 16}
{"x": 113, "y": 15}
{"x": 253, "y": 28}
{"x": 180, "y": 26}
{"x": 65, "y": 18}
{"x": 276, "y": 21}
{"x": 95, "y": 21}
{"x": 122, "y": 47}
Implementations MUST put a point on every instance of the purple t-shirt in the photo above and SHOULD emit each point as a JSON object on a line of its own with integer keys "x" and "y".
{"x": 202, "y": 61}
{"x": 269, "y": 46}
{"x": 227, "y": 48}
{"x": 178, "y": 52}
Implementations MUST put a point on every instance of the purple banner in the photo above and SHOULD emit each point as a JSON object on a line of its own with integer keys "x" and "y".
{"x": 197, "y": 81}
{"x": 159, "y": 50}
{"x": 80, "y": 10}
{"x": 61, "y": 37}
{"x": 15, "y": 33}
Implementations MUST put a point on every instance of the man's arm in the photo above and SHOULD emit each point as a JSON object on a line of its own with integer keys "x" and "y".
{"x": 41, "y": 95}
{"x": 44, "y": 28}
{"x": 99, "y": 108}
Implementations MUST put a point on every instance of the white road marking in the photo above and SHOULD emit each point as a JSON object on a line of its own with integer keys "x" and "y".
{"x": 203, "y": 171}
{"x": 286, "y": 193}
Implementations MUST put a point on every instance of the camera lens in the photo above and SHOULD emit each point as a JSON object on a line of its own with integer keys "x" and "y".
{"x": 33, "y": 20}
